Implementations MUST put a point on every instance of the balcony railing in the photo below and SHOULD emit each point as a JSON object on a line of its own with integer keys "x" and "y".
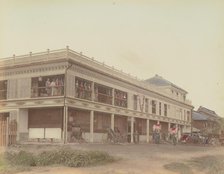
{"x": 83, "y": 93}
{"x": 47, "y": 91}
{"x": 120, "y": 102}
{"x": 103, "y": 98}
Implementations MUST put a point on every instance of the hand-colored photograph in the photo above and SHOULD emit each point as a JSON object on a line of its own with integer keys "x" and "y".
{"x": 111, "y": 87}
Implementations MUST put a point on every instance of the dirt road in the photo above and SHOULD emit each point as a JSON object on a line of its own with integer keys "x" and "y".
{"x": 146, "y": 159}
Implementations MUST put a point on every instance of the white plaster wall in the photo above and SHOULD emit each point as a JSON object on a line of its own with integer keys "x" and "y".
{"x": 130, "y": 101}
{"x": 86, "y": 137}
{"x": 142, "y": 138}
{"x": 70, "y": 85}
{"x": 24, "y": 88}
{"x": 13, "y": 115}
{"x": 36, "y": 133}
{"x": 23, "y": 121}
{"x": 12, "y": 89}
{"x": 53, "y": 133}
{"x": 99, "y": 137}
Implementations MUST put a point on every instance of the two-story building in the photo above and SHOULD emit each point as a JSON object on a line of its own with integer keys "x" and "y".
{"x": 48, "y": 93}
{"x": 206, "y": 120}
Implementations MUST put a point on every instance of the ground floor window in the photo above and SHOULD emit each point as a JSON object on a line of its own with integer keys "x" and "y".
{"x": 121, "y": 124}
{"x": 140, "y": 126}
{"x": 79, "y": 118}
{"x": 45, "y": 123}
{"x": 101, "y": 122}
{"x": 45, "y": 118}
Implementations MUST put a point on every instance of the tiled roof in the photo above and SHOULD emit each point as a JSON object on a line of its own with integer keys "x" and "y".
{"x": 160, "y": 81}
{"x": 199, "y": 116}
{"x": 207, "y": 111}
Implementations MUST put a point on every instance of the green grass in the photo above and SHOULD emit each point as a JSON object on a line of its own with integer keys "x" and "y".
{"x": 209, "y": 164}
{"x": 180, "y": 168}
{"x": 13, "y": 162}
{"x": 62, "y": 157}
{"x": 2, "y": 162}
{"x": 206, "y": 164}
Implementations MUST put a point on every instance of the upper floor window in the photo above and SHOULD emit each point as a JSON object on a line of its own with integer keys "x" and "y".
{"x": 3, "y": 89}
{"x": 120, "y": 98}
{"x": 188, "y": 116}
{"x": 184, "y": 97}
{"x": 160, "y": 108}
{"x": 47, "y": 86}
{"x": 153, "y": 106}
{"x": 181, "y": 114}
{"x": 83, "y": 89}
{"x": 135, "y": 102}
{"x": 165, "y": 109}
{"x": 103, "y": 94}
{"x": 146, "y": 105}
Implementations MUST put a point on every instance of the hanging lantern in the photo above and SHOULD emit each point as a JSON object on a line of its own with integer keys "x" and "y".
{"x": 40, "y": 78}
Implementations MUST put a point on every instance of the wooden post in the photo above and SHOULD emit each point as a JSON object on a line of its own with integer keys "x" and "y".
{"x": 91, "y": 125}
{"x": 113, "y": 98}
{"x": 7, "y": 131}
{"x": 65, "y": 124}
{"x": 112, "y": 122}
{"x": 147, "y": 130}
{"x": 93, "y": 92}
{"x": 132, "y": 129}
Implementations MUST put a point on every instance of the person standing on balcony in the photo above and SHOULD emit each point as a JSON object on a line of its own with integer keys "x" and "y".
{"x": 48, "y": 88}
{"x": 53, "y": 87}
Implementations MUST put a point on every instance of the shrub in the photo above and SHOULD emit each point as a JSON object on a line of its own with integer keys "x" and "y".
{"x": 22, "y": 158}
{"x": 65, "y": 157}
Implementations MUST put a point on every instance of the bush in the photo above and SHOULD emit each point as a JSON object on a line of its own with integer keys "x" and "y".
{"x": 65, "y": 157}
{"x": 22, "y": 158}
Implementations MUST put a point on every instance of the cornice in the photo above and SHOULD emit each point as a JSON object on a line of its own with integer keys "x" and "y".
{"x": 44, "y": 68}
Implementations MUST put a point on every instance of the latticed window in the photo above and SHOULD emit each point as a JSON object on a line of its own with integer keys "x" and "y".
{"x": 146, "y": 105}
{"x": 103, "y": 94}
{"x": 83, "y": 89}
{"x": 160, "y": 108}
{"x": 135, "y": 102}
{"x": 101, "y": 122}
{"x": 153, "y": 106}
{"x": 188, "y": 116}
{"x": 47, "y": 86}
{"x": 165, "y": 109}
{"x": 3, "y": 89}
{"x": 120, "y": 98}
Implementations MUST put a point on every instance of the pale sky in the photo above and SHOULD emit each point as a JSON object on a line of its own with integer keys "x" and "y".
{"x": 183, "y": 41}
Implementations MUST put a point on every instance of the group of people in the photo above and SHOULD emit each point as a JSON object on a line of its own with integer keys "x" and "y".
{"x": 120, "y": 99}
{"x": 157, "y": 133}
{"x": 54, "y": 87}
{"x": 102, "y": 94}
{"x": 83, "y": 89}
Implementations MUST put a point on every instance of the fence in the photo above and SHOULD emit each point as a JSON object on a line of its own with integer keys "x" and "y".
{"x": 3, "y": 131}
{"x": 7, "y": 132}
